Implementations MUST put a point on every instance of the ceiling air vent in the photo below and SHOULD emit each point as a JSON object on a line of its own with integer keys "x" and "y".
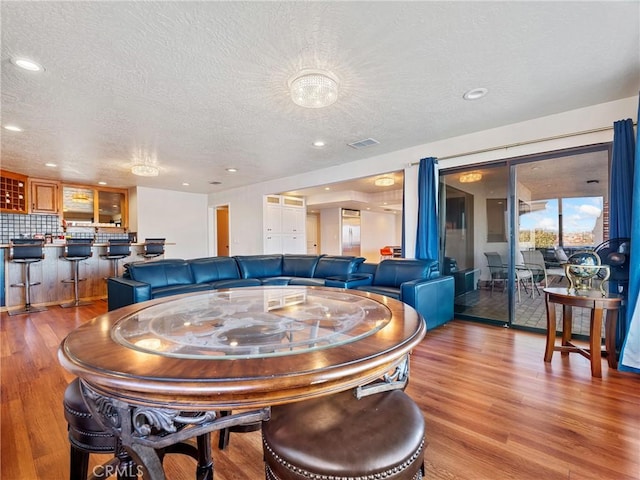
{"x": 367, "y": 142}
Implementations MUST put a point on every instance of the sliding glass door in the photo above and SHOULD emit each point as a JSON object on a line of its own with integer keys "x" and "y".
{"x": 474, "y": 233}
{"x": 562, "y": 209}
{"x": 507, "y": 227}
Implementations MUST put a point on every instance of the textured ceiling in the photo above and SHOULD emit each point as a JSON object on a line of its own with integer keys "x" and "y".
{"x": 203, "y": 85}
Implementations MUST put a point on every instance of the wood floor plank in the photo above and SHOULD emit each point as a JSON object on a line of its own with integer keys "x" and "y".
{"x": 493, "y": 409}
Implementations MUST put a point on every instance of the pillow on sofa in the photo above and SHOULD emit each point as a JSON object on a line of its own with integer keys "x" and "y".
{"x": 333, "y": 266}
{"x": 212, "y": 269}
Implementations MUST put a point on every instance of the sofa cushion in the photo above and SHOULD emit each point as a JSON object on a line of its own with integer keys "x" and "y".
{"x": 311, "y": 282}
{"x": 299, "y": 265}
{"x": 178, "y": 289}
{"x": 275, "y": 281}
{"x": 212, "y": 269}
{"x": 332, "y": 265}
{"x": 392, "y": 273}
{"x": 235, "y": 282}
{"x": 161, "y": 274}
{"x": 392, "y": 292}
{"x": 259, "y": 266}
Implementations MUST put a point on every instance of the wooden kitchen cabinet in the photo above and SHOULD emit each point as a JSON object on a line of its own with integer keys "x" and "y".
{"x": 44, "y": 196}
{"x": 13, "y": 192}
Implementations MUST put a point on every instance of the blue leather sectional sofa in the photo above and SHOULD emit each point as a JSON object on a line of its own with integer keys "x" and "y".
{"x": 415, "y": 282}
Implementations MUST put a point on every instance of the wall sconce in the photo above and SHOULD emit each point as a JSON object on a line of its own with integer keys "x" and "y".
{"x": 470, "y": 177}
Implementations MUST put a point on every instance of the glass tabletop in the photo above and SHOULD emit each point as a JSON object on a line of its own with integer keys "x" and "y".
{"x": 248, "y": 322}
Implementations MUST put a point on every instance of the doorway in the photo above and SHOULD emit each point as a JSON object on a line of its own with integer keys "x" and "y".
{"x": 222, "y": 230}
{"x": 313, "y": 237}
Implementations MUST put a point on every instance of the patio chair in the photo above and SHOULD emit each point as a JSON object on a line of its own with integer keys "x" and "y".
{"x": 534, "y": 261}
{"x": 499, "y": 272}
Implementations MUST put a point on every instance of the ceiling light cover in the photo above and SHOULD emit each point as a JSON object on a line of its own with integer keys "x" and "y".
{"x": 314, "y": 88}
{"x": 145, "y": 165}
{"x": 27, "y": 64}
{"x": 384, "y": 182}
{"x": 475, "y": 94}
{"x": 470, "y": 177}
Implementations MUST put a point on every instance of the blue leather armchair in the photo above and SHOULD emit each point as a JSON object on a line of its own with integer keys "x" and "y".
{"x": 415, "y": 282}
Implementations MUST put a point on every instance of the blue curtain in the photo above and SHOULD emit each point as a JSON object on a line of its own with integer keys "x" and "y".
{"x": 630, "y": 354}
{"x": 620, "y": 195}
{"x": 621, "y": 182}
{"x": 404, "y": 210}
{"x": 427, "y": 240}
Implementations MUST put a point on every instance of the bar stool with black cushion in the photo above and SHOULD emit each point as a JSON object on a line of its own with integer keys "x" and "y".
{"x": 86, "y": 436}
{"x": 75, "y": 251}
{"x": 153, "y": 247}
{"x": 117, "y": 249}
{"x": 26, "y": 251}
{"x": 340, "y": 437}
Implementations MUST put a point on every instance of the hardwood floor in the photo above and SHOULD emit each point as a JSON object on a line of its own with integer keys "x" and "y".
{"x": 493, "y": 409}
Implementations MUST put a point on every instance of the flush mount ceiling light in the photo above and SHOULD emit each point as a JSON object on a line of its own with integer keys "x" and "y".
{"x": 80, "y": 197}
{"x": 145, "y": 165}
{"x": 475, "y": 94}
{"x": 27, "y": 64}
{"x": 470, "y": 177}
{"x": 383, "y": 182}
{"x": 313, "y": 88}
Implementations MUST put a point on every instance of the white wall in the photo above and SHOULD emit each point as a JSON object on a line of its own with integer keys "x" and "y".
{"x": 246, "y": 203}
{"x": 376, "y": 231}
{"x": 330, "y": 231}
{"x": 181, "y": 218}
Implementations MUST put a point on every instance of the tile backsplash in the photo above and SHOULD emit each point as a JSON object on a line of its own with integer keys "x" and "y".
{"x": 26, "y": 226}
{"x": 19, "y": 226}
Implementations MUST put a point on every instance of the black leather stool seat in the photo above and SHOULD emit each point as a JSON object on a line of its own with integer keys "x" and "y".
{"x": 84, "y": 432}
{"x": 338, "y": 437}
{"x": 87, "y": 436}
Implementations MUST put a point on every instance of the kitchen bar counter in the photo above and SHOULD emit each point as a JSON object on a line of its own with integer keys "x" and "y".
{"x": 53, "y": 269}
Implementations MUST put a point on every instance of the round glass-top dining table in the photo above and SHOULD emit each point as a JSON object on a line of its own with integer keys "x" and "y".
{"x": 159, "y": 372}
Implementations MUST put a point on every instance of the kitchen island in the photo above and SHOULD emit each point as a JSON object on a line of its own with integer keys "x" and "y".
{"x": 53, "y": 270}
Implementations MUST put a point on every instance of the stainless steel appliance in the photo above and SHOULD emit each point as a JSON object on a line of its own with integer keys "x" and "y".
{"x": 350, "y": 232}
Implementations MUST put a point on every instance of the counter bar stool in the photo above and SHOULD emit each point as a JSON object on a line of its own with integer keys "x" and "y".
{"x": 339, "y": 437}
{"x": 26, "y": 251}
{"x": 87, "y": 436}
{"x": 117, "y": 249}
{"x": 75, "y": 251}
{"x": 153, "y": 247}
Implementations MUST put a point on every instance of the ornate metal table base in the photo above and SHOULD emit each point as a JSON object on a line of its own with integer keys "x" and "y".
{"x": 143, "y": 431}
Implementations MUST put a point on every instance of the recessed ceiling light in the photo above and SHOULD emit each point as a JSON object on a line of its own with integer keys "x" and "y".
{"x": 50, "y": 165}
{"x": 102, "y": 183}
{"x": 185, "y": 184}
{"x": 318, "y": 144}
{"x": 27, "y": 64}
{"x": 12, "y": 128}
{"x": 327, "y": 188}
{"x": 475, "y": 93}
{"x": 232, "y": 170}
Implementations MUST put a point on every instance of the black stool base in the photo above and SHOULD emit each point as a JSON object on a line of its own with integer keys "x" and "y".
{"x": 27, "y": 310}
